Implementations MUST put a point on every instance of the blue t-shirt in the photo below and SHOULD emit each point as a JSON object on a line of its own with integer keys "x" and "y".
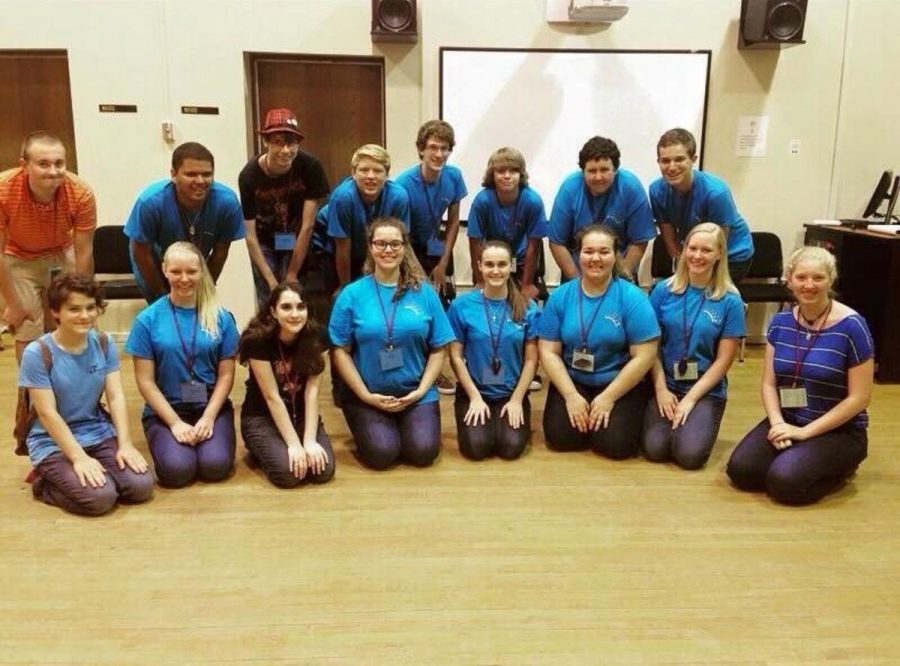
{"x": 704, "y": 320}
{"x": 825, "y": 361}
{"x": 320, "y": 240}
{"x": 420, "y": 326}
{"x": 429, "y": 201}
{"x": 624, "y": 207}
{"x": 625, "y": 317}
{"x": 349, "y": 216}
{"x": 514, "y": 225}
{"x": 709, "y": 200}
{"x": 155, "y": 336}
{"x": 77, "y": 381}
{"x": 156, "y": 221}
{"x": 468, "y": 316}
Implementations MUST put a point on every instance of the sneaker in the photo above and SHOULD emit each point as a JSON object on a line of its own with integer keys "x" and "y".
{"x": 445, "y": 385}
{"x": 536, "y": 384}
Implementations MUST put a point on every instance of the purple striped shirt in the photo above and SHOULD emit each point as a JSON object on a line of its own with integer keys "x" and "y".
{"x": 823, "y": 372}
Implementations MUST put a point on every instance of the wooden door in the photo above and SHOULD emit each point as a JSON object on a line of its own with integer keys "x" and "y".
{"x": 339, "y": 102}
{"x": 35, "y": 94}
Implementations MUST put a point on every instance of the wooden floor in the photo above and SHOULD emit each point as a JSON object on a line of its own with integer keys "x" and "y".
{"x": 552, "y": 559}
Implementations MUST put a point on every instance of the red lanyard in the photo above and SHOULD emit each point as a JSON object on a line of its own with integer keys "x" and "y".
{"x": 291, "y": 385}
{"x": 798, "y": 360}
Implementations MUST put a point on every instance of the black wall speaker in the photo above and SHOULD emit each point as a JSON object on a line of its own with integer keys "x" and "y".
{"x": 772, "y": 24}
{"x": 394, "y": 21}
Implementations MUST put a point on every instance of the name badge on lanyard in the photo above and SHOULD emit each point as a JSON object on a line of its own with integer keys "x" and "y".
{"x": 284, "y": 240}
{"x": 685, "y": 370}
{"x": 792, "y": 397}
{"x": 583, "y": 359}
{"x": 390, "y": 358}
{"x": 513, "y": 267}
{"x": 193, "y": 391}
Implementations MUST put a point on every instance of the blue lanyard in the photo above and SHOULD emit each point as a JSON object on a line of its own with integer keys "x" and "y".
{"x": 388, "y": 323}
{"x": 592, "y": 201}
{"x": 586, "y": 329}
{"x": 689, "y": 332}
{"x": 434, "y": 219}
{"x": 495, "y": 341}
{"x": 189, "y": 356}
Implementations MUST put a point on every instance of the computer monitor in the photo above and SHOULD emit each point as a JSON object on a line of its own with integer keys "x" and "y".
{"x": 883, "y": 190}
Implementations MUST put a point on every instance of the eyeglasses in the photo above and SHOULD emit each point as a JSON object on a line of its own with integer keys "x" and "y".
{"x": 382, "y": 245}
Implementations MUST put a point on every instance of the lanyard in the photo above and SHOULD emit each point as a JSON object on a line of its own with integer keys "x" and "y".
{"x": 372, "y": 210}
{"x": 188, "y": 223}
{"x": 388, "y": 323}
{"x": 290, "y": 381}
{"x": 516, "y": 225}
{"x": 686, "y": 214}
{"x": 434, "y": 219}
{"x": 495, "y": 341}
{"x": 281, "y": 210}
{"x": 586, "y": 329}
{"x": 800, "y": 360}
{"x": 189, "y": 356}
{"x": 592, "y": 201}
{"x": 689, "y": 332}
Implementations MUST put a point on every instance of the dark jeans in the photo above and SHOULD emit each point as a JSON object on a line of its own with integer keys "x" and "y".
{"x": 804, "y": 472}
{"x": 269, "y": 450}
{"x": 178, "y": 464}
{"x": 619, "y": 440}
{"x": 690, "y": 444}
{"x": 59, "y": 485}
{"x": 496, "y": 436}
{"x": 412, "y": 436}
{"x": 428, "y": 264}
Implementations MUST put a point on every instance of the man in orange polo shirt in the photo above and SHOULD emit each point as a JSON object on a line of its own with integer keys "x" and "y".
{"x": 47, "y": 222}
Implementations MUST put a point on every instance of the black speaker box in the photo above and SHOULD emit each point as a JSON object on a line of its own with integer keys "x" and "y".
{"x": 771, "y": 24}
{"x": 394, "y": 21}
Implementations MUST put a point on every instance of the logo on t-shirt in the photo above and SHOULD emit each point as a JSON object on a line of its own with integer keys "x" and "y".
{"x": 615, "y": 319}
{"x": 713, "y": 316}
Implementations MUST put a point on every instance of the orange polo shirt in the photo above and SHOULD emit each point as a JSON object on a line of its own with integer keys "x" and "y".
{"x": 34, "y": 229}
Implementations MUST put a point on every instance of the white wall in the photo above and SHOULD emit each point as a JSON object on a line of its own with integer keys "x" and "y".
{"x": 160, "y": 54}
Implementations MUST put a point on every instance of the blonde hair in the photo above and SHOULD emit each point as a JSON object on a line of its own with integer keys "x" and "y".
{"x": 207, "y": 307}
{"x": 411, "y": 274}
{"x": 721, "y": 282}
{"x": 818, "y": 255}
{"x": 517, "y": 302}
{"x": 374, "y": 152}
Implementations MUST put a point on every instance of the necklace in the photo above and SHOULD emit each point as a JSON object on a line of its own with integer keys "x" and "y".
{"x": 810, "y": 323}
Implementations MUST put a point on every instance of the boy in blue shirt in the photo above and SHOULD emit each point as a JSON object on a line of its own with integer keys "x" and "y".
{"x": 600, "y": 193}
{"x": 434, "y": 188}
{"x": 683, "y": 198}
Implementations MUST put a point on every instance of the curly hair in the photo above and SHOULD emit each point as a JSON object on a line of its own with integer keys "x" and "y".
{"x": 65, "y": 284}
{"x": 411, "y": 274}
{"x": 264, "y": 328}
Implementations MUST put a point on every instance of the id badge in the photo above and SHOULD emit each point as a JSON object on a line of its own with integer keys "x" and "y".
{"x": 391, "y": 359}
{"x": 792, "y": 397}
{"x": 583, "y": 360}
{"x": 685, "y": 370}
{"x": 513, "y": 266}
{"x": 193, "y": 391}
{"x": 285, "y": 240}
{"x": 435, "y": 247}
{"x": 491, "y": 378}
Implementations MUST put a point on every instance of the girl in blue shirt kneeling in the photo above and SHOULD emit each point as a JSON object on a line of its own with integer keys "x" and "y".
{"x": 598, "y": 340}
{"x": 389, "y": 336}
{"x": 494, "y": 357}
{"x": 702, "y": 320}
{"x": 184, "y": 347}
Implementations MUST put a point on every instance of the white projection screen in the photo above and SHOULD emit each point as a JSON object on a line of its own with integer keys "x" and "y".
{"x": 547, "y": 103}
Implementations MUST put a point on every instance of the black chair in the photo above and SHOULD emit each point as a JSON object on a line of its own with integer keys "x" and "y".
{"x": 763, "y": 282}
{"x": 660, "y": 261}
{"x": 111, "y": 259}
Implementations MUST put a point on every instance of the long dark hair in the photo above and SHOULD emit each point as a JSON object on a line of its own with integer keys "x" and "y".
{"x": 263, "y": 328}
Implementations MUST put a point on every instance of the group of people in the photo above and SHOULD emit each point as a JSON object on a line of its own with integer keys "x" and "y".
{"x": 627, "y": 373}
